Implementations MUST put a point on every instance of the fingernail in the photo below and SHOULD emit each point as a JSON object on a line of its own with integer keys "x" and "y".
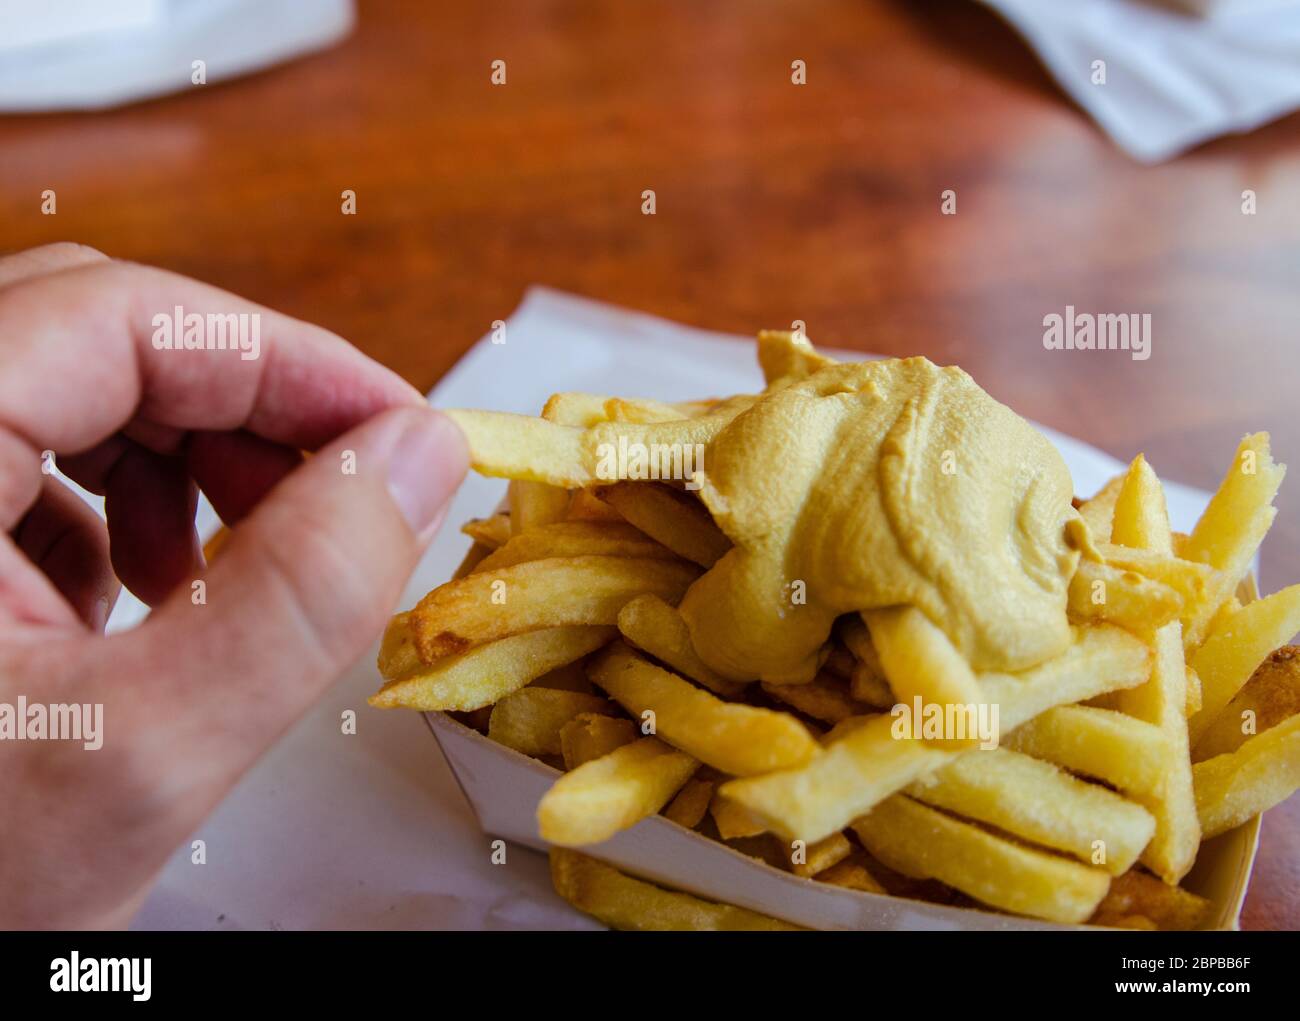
{"x": 427, "y": 464}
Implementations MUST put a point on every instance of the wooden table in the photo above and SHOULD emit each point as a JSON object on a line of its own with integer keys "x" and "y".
{"x": 775, "y": 202}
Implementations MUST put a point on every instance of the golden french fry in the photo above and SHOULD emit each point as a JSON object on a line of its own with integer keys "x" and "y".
{"x": 816, "y": 858}
{"x": 590, "y": 736}
{"x": 574, "y": 539}
{"x": 739, "y": 740}
{"x": 1194, "y": 582}
{"x": 851, "y": 876}
{"x": 1127, "y": 753}
{"x": 867, "y": 682}
{"x": 925, "y": 844}
{"x": 920, "y": 661}
{"x": 1042, "y": 804}
{"x": 732, "y": 820}
{"x": 554, "y": 592}
{"x": 1142, "y": 522}
{"x": 866, "y": 764}
{"x": 1194, "y": 694}
{"x": 586, "y": 505}
{"x": 580, "y": 410}
{"x": 622, "y": 902}
{"x": 489, "y": 672}
{"x": 397, "y": 654}
{"x": 1229, "y": 656}
{"x": 1262, "y": 772}
{"x": 658, "y": 629}
{"x": 533, "y": 504}
{"x": 641, "y": 409}
{"x": 1136, "y": 895}
{"x": 492, "y": 532}
{"x": 530, "y": 720}
{"x": 611, "y": 793}
{"x": 1102, "y": 593}
{"x": 675, "y": 520}
{"x": 1234, "y": 524}
{"x": 824, "y": 698}
{"x": 1099, "y": 511}
{"x": 508, "y": 446}
{"x": 1269, "y": 697}
{"x": 691, "y": 803}
{"x": 787, "y": 356}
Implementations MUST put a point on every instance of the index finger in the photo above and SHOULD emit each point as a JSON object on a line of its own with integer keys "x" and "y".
{"x": 87, "y": 350}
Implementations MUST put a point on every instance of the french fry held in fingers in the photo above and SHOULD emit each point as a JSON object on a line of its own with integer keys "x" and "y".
{"x": 784, "y": 621}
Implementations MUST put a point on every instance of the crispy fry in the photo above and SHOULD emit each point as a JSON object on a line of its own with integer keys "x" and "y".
{"x": 554, "y": 592}
{"x": 739, "y": 740}
{"x": 658, "y": 629}
{"x": 586, "y": 505}
{"x": 530, "y": 719}
{"x": 1230, "y": 655}
{"x": 851, "y": 876}
{"x": 920, "y": 842}
{"x": 622, "y": 902}
{"x": 1099, "y": 511}
{"x": 506, "y": 446}
{"x": 1141, "y": 521}
{"x": 591, "y": 736}
{"x": 867, "y": 683}
{"x": 576, "y": 409}
{"x": 1270, "y": 696}
{"x": 490, "y": 672}
{"x": 820, "y": 856}
{"x": 574, "y": 539}
{"x": 397, "y": 655}
{"x": 1262, "y": 772}
{"x": 677, "y": 521}
{"x": 533, "y": 504}
{"x": 611, "y": 793}
{"x": 691, "y": 803}
{"x": 867, "y": 764}
{"x": 1103, "y": 593}
{"x": 732, "y": 820}
{"x": 1127, "y": 753}
{"x": 1042, "y": 804}
{"x": 493, "y": 532}
{"x": 1234, "y": 524}
{"x": 1136, "y": 896}
{"x": 920, "y": 661}
{"x": 824, "y": 698}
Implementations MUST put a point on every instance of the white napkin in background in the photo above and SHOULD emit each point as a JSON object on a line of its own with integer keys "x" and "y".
{"x": 1173, "y": 79}
{"x": 370, "y": 830}
{"x": 93, "y": 54}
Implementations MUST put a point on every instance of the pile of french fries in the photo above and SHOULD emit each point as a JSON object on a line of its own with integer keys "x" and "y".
{"x": 1173, "y": 717}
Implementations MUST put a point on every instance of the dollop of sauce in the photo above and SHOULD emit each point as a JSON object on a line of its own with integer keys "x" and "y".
{"x": 877, "y": 484}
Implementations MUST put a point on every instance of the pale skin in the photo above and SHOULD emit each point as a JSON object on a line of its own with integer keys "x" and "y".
{"x": 317, "y": 559}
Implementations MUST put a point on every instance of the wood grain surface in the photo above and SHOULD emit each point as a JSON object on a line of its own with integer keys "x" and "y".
{"x": 775, "y": 202}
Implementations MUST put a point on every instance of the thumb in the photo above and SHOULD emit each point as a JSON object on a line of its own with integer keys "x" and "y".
{"x": 302, "y": 587}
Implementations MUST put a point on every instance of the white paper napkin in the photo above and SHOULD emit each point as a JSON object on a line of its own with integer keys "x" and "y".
{"x": 91, "y": 54}
{"x": 1173, "y": 79}
{"x": 370, "y": 830}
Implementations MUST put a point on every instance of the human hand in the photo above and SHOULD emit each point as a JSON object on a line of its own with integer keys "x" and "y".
{"x": 193, "y": 696}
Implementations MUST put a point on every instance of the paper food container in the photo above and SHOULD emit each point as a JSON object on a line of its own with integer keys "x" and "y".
{"x": 503, "y": 788}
